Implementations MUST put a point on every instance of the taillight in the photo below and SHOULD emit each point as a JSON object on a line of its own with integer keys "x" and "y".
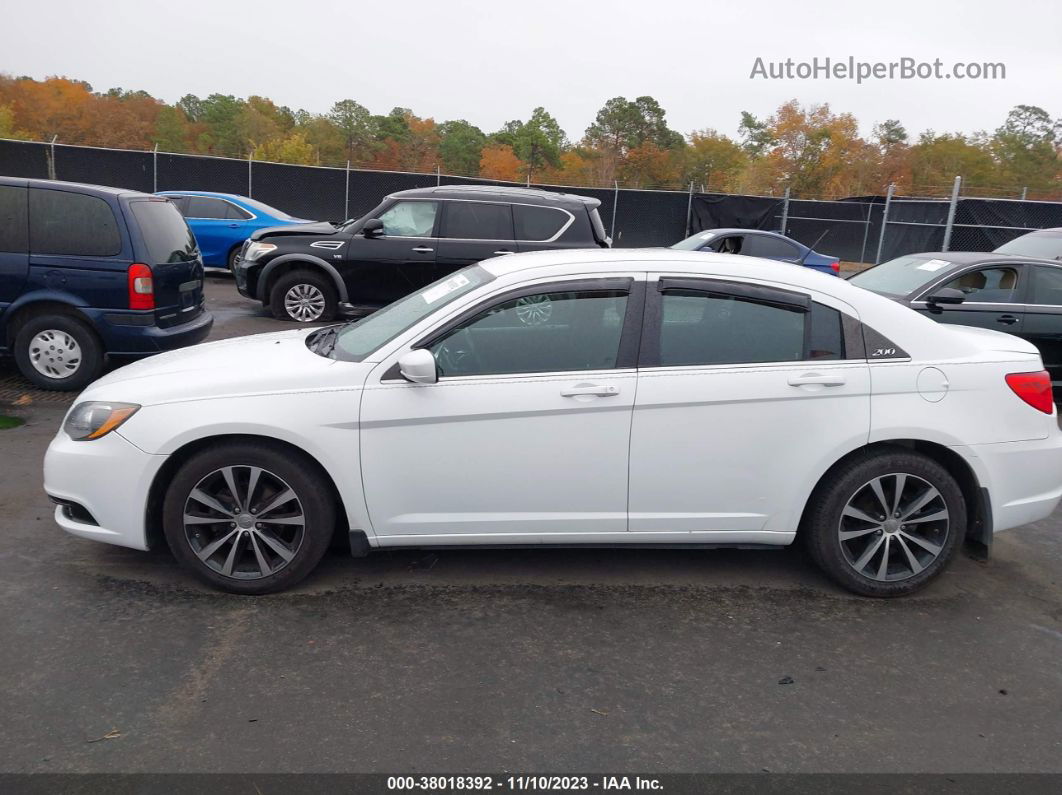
{"x": 835, "y": 267}
{"x": 1034, "y": 389}
{"x": 141, "y": 287}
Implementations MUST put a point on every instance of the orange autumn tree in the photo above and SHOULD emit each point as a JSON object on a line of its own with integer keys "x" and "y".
{"x": 499, "y": 162}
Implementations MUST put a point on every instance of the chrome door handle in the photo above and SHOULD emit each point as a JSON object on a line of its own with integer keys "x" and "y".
{"x": 423, "y": 250}
{"x": 503, "y": 251}
{"x": 1008, "y": 319}
{"x": 816, "y": 379}
{"x": 593, "y": 390}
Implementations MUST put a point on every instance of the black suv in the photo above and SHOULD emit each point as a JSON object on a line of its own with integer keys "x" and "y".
{"x": 414, "y": 237}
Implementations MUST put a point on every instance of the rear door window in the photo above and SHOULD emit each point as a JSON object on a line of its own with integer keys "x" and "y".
{"x": 539, "y": 224}
{"x": 14, "y": 220}
{"x": 478, "y": 221}
{"x": 769, "y": 248}
{"x": 1047, "y": 286}
{"x": 72, "y": 223}
{"x": 166, "y": 235}
{"x": 207, "y": 207}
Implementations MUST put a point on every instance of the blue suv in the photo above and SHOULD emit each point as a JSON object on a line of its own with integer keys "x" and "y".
{"x": 222, "y": 221}
{"x": 87, "y": 271}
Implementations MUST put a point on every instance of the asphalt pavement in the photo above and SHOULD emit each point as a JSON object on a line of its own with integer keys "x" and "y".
{"x": 113, "y": 660}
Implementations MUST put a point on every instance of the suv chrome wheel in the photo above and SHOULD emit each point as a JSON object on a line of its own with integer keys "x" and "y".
{"x": 244, "y": 522}
{"x": 534, "y": 310}
{"x": 893, "y": 527}
{"x": 304, "y": 302}
{"x": 55, "y": 354}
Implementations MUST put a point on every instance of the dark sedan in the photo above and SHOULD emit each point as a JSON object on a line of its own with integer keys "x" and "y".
{"x": 759, "y": 243}
{"x": 1019, "y": 295}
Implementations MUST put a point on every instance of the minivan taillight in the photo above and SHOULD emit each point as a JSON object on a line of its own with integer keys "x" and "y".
{"x": 141, "y": 287}
{"x": 1034, "y": 389}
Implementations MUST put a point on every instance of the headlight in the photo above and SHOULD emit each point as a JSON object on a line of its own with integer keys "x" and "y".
{"x": 257, "y": 249}
{"x": 87, "y": 421}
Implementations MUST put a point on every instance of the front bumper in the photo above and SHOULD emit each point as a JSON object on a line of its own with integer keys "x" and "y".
{"x": 110, "y": 479}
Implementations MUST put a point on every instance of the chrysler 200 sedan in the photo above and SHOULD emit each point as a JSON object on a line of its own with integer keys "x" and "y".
{"x": 575, "y": 397}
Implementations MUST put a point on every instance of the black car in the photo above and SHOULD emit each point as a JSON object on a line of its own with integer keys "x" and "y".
{"x": 87, "y": 272}
{"x": 414, "y": 237}
{"x": 1019, "y": 295}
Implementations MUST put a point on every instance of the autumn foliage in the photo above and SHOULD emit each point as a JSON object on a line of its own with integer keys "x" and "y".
{"x": 812, "y": 150}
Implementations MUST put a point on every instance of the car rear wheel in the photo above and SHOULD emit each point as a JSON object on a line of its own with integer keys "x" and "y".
{"x": 248, "y": 518}
{"x": 304, "y": 296}
{"x": 886, "y": 524}
{"x": 232, "y": 258}
{"x": 58, "y": 352}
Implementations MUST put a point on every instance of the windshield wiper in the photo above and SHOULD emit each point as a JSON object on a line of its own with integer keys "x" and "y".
{"x": 324, "y": 340}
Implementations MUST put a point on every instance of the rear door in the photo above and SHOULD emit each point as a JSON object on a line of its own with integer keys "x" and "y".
{"x": 474, "y": 231}
{"x": 218, "y": 225}
{"x": 14, "y": 242}
{"x": 1043, "y": 318}
{"x": 166, "y": 244}
{"x": 994, "y": 299}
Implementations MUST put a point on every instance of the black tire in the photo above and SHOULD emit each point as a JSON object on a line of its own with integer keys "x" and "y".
{"x": 825, "y": 520}
{"x": 312, "y": 499}
{"x": 309, "y": 280}
{"x": 232, "y": 258}
{"x": 29, "y": 349}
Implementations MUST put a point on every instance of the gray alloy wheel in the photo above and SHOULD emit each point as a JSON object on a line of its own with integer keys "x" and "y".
{"x": 304, "y": 302}
{"x": 893, "y": 527}
{"x": 55, "y": 353}
{"x": 534, "y": 310}
{"x": 244, "y": 522}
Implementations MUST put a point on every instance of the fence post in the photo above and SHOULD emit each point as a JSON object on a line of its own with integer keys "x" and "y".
{"x": 155, "y": 169}
{"x": 951, "y": 212}
{"x": 51, "y": 157}
{"x": 689, "y": 210}
{"x": 346, "y": 195}
{"x": 1024, "y": 193}
{"x": 785, "y": 210}
{"x": 438, "y": 176}
{"x": 250, "y": 162}
{"x": 615, "y": 201}
{"x": 866, "y": 234}
{"x": 884, "y": 222}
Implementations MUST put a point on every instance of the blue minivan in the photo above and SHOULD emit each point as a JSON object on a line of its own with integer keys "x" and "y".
{"x": 88, "y": 271}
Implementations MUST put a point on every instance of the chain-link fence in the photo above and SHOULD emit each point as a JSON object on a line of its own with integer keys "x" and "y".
{"x": 858, "y": 229}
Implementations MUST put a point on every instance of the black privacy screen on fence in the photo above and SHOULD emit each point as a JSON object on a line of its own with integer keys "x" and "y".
{"x": 849, "y": 229}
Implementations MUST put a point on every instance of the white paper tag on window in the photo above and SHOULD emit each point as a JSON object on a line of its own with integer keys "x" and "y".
{"x": 433, "y": 294}
{"x": 933, "y": 265}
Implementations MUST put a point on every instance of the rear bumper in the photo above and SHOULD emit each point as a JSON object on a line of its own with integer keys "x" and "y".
{"x": 1024, "y": 479}
{"x": 122, "y": 338}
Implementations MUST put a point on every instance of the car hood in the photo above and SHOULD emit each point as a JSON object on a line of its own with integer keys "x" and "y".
{"x": 260, "y": 364}
{"x": 317, "y": 228}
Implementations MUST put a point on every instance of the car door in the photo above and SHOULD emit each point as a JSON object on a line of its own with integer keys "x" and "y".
{"x": 14, "y": 242}
{"x": 769, "y": 247}
{"x": 524, "y": 436}
{"x": 217, "y": 226}
{"x": 746, "y": 394}
{"x": 401, "y": 259}
{"x": 1043, "y": 317}
{"x": 994, "y": 298}
{"x": 473, "y": 231}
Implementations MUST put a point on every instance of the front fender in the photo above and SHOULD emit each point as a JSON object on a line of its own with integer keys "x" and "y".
{"x": 308, "y": 259}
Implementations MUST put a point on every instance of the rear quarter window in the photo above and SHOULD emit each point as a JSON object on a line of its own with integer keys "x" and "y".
{"x": 14, "y": 220}
{"x": 538, "y": 224}
{"x": 165, "y": 233}
{"x": 72, "y": 223}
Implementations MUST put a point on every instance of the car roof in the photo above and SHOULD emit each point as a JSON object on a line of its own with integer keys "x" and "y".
{"x": 207, "y": 193}
{"x": 499, "y": 193}
{"x": 963, "y": 258}
{"x": 81, "y": 187}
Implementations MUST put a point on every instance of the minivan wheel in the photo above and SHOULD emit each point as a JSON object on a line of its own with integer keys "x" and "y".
{"x": 886, "y": 524}
{"x": 304, "y": 296}
{"x": 248, "y": 518}
{"x": 58, "y": 352}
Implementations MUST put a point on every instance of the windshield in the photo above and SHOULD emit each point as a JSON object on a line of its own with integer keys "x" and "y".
{"x": 900, "y": 276}
{"x": 357, "y": 340}
{"x": 1036, "y": 244}
{"x": 695, "y": 242}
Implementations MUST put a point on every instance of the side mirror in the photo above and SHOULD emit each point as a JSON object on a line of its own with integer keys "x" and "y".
{"x": 418, "y": 366}
{"x": 946, "y": 295}
{"x": 372, "y": 228}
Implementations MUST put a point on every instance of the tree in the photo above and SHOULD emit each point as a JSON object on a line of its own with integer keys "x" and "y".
{"x": 356, "y": 125}
{"x": 460, "y": 147}
{"x": 815, "y": 151}
{"x": 622, "y": 125}
{"x": 538, "y": 142}
{"x": 7, "y": 123}
{"x": 1026, "y": 148}
{"x": 937, "y": 159}
{"x": 171, "y": 130}
{"x": 220, "y": 114}
{"x": 294, "y": 148}
{"x": 499, "y": 162}
{"x": 713, "y": 160}
{"x": 754, "y": 134}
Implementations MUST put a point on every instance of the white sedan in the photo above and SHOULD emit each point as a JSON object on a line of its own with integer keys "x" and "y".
{"x": 576, "y": 397}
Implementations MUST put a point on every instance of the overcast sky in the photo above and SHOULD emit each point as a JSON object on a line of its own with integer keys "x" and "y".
{"x": 489, "y": 62}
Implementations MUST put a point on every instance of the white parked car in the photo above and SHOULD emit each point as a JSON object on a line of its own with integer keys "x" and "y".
{"x": 576, "y": 397}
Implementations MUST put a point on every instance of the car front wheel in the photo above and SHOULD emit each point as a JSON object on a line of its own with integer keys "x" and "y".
{"x": 886, "y": 524}
{"x": 304, "y": 296}
{"x": 248, "y": 517}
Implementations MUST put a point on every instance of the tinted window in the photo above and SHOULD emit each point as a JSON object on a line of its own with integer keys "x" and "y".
{"x": 72, "y": 223}
{"x": 236, "y": 213}
{"x": 1047, "y": 245}
{"x": 166, "y": 235}
{"x": 902, "y": 275}
{"x": 410, "y": 219}
{"x": 549, "y": 332}
{"x": 538, "y": 223}
{"x": 769, "y": 247}
{"x": 14, "y": 224}
{"x": 478, "y": 221}
{"x": 1047, "y": 286}
{"x": 988, "y": 285}
{"x": 697, "y": 328}
{"x": 827, "y": 334}
{"x": 206, "y": 207}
